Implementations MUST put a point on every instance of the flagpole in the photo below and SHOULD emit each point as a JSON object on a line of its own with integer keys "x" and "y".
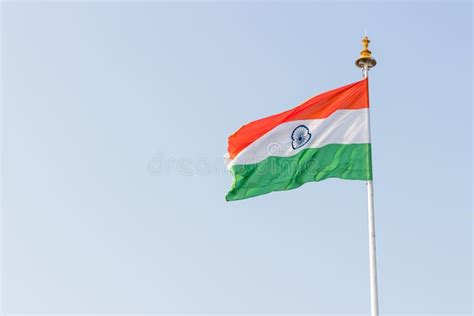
{"x": 365, "y": 62}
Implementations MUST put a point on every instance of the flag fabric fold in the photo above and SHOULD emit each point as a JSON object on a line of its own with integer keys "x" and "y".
{"x": 326, "y": 136}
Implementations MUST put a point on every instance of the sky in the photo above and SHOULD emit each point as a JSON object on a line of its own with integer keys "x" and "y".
{"x": 115, "y": 118}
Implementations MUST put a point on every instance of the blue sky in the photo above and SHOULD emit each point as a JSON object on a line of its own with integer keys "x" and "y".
{"x": 114, "y": 122}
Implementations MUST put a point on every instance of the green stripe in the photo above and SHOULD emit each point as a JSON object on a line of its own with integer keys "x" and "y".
{"x": 352, "y": 161}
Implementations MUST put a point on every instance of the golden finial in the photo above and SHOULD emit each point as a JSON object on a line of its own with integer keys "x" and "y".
{"x": 365, "y": 59}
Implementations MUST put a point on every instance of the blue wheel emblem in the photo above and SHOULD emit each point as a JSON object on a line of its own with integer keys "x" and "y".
{"x": 300, "y": 136}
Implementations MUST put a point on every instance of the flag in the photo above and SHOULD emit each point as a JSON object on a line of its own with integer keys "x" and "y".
{"x": 325, "y": 137}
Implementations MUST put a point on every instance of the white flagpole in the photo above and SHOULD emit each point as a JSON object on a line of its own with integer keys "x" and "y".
{"x": 365, "y": 61}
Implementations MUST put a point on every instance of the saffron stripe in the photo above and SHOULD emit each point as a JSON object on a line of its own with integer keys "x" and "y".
{"x": 350, "y": 97}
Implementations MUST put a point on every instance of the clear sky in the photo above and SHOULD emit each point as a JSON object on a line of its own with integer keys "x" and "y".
{"x": 115, "y": 118}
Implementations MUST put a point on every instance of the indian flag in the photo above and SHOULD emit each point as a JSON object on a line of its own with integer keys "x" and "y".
{"x": 325, "y": 137}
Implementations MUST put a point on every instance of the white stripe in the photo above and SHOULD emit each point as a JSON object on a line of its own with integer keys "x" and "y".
{"x": 342, "y": 127}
